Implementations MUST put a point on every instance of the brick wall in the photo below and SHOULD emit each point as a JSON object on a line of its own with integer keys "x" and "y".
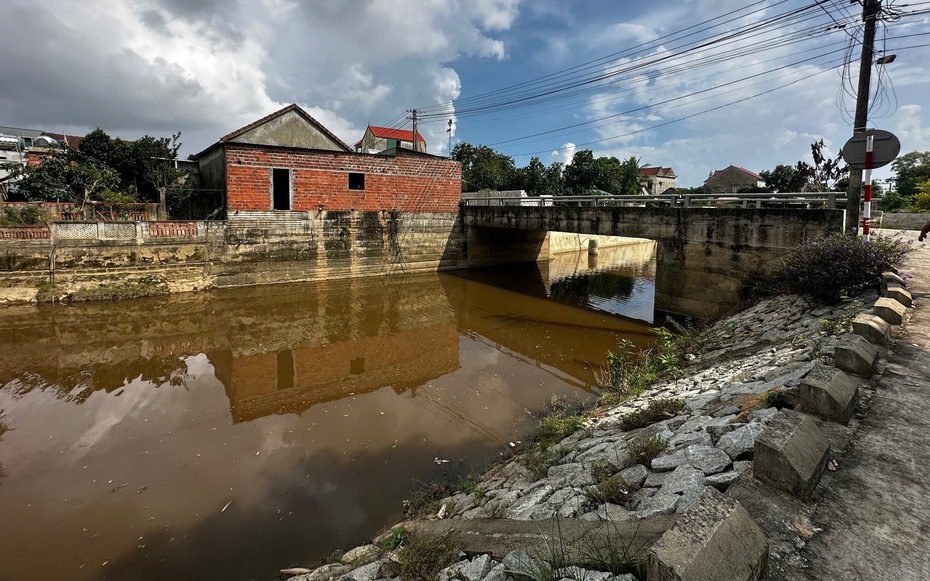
{"x": 407, "y": 181}
{"x": 24, "y": 233}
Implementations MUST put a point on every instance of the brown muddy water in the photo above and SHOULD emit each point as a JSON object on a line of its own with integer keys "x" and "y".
{"x": 225, "y": 435}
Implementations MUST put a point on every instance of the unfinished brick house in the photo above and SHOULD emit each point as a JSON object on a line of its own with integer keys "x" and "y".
{"x": 289, "y": 161}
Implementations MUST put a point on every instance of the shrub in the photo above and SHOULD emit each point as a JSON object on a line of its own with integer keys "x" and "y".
{"x": 892, "y": 201}
{"x": 22, "y": 215}
{"x": 827, "y": 267}
{"x": 921, "y": 201}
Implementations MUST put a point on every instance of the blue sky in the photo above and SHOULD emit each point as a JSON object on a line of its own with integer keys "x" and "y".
{"x": 207, "y": 67}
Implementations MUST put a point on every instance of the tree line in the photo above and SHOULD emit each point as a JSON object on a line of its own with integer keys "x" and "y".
{"x": 486, "y": 169}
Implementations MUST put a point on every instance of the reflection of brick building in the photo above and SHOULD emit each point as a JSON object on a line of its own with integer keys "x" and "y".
{"x": 293, "y": 380}
{"x": 289, "y": 161}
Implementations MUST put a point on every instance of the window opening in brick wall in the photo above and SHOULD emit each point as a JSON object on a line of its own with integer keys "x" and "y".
{"x": 356, "y": 181}
{"x": 286, "y": 374}
{"x": 281, "y": 189}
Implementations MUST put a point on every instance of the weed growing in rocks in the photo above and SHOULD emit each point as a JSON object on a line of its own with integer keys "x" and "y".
{"x": 556, "y": 427}
{"x": 558, "y": 422}
{"x": 601, "y": 470}
{"x": 425, "y": 498}
{"x": 836, "y": 326}
{"x": 778, "y": 399}
{"x": 393, "y": 540}
{"x": 629, "y": 371}
{"x": 614, "y": 490}
{"x": 643, "y": 451}
{"x": 539, "y": 459}
{"x": 615, "y": 554}
{"x": 423, "y": 557}
{"x": 656, "y": 411}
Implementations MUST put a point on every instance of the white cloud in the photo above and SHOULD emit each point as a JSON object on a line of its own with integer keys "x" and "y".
{"x": 565, "y": 154}
{"x": 909, "y": 127}
{"x": 208, "y": 67}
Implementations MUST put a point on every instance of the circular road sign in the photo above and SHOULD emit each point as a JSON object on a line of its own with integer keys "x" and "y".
{"x": 885, "y": 147}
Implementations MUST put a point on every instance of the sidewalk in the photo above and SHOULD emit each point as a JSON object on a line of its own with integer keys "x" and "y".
{"x": 875, "y": 514}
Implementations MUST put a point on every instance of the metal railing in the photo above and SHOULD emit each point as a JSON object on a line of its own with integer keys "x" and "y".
{"x": 828, "y": 200}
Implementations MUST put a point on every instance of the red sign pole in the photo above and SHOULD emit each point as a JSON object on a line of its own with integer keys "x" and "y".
{"x": 867, "y": 178}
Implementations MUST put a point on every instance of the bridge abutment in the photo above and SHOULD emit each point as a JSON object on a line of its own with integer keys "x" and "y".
{"x": 703, "y": 253}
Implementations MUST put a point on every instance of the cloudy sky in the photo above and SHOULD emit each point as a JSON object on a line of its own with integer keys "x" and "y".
{"x": 692, "y": 84}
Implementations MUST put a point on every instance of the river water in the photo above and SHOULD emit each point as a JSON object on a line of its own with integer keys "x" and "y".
{"x": 225, "y": 435}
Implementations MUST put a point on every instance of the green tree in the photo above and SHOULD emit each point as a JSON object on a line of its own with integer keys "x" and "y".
{"x": 484, "y": 169}
{"x": 67, "y": 175}
{"x": 554, "y": 184}
{"x": 533, "y": 177}
{"x": 628, "y": 179}
{"x": 910, "y": 170}
{"x": 784, "y": 178}
{"x": 581, "y": 175}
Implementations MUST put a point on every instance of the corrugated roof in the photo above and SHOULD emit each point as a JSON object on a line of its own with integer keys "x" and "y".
{"x": 654, "y": 171}
{"x": 389, "y": 133}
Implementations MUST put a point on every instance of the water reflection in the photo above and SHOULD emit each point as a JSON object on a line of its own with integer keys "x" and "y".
{"x": 225, "y": 434}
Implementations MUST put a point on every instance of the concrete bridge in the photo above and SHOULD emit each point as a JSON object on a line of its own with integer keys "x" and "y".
{"x": 702, "y": 255}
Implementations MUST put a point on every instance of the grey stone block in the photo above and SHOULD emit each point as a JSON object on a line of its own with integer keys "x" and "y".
{"x": 791, "y": 454}
{"x": 714, "y": 540}
{"x": 829, "y": 393}
{"x": 740, "y": 442}
{"x": 708, "y": 459}
{"x": 899, "y": 294}
{"x": 890, "y": 310}
{"x": 890, "y": 279}
{"x": 875, "y": 329}
{"x": 854, "y": 354}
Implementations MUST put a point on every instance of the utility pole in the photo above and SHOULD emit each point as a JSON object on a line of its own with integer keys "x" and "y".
{"x": 416, "y": 145}
{"x": 449, "y": 131}
{"x": 870, "y": 11}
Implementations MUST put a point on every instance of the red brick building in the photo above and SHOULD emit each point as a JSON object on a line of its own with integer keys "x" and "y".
{"x": 289, "y": 161}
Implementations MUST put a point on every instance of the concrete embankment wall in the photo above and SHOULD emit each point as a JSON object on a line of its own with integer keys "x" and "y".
{"x": 250, "y": 248}
{"x": 560, "y": 242}
{"x": 903, "y": 220}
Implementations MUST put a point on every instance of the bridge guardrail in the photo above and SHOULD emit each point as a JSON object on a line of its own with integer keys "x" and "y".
{"x": 829, "y": 200}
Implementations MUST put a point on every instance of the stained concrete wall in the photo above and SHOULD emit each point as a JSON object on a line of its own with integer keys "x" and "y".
{"x": 251, "y": 248}
{"x": 703, "y": 253}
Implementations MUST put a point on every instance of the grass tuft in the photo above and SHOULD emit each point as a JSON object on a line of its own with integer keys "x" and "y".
{"x": 644, "y": 450}
{"x": 422, "y": 557}
{"x": 656, "y": 411}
